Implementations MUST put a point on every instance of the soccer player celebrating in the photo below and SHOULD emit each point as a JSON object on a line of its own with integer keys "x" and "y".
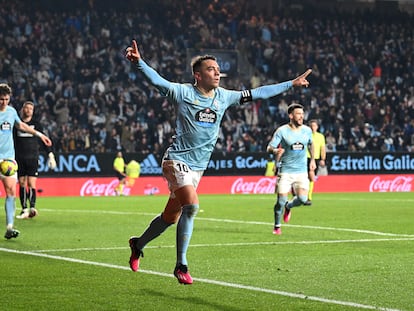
{"x": 294, "y": 139}
{"x": 200, "y": 108}
{"x": 27, "y": 157}
{"x": 8, "y": 119}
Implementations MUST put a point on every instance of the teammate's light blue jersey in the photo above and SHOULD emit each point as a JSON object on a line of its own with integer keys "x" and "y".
{"x": 199, "y": 117}
{"x": 295, "y": 142}
{"x": 7, "y": 120}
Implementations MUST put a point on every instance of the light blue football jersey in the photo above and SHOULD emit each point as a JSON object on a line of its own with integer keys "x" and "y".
{"x": 7, "y": 120}
{"x": 199, "y": 117}
{"x": 198, "y": 123}
{"x": 295, "y": 142}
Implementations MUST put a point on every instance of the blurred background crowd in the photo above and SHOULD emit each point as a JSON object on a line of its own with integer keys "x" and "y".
{"x": 68, "y": 58}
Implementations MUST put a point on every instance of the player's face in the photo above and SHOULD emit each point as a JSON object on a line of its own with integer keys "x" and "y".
{"x": 4, "y": 101}
{"x": 27, "y": 111}
{"x": 314, "y": 126}
{"x": 209, "y": 75}
{"x": 296, "y": 117}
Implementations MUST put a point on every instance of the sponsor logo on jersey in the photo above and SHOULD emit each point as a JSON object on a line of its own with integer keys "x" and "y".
{"x": 206, "y": 117}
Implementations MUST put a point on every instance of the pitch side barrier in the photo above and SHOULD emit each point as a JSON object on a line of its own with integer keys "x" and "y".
{"x": 105, "y": 186}
{"x": 227, "y": 164}
{"x": 89, "y": 174}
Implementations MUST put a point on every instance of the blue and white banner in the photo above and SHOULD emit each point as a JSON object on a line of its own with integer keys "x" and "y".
{"x": 227, "y": 164}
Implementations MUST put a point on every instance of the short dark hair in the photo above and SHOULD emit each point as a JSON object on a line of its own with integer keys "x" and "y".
{"x": 28, "y": 102}
{"x": 293, "y": 107}
{"x": 5, "y": 89}
{"x": 198, "y": 60}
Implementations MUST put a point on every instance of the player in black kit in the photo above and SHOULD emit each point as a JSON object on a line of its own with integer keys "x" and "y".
{"x": 27, "y": 157}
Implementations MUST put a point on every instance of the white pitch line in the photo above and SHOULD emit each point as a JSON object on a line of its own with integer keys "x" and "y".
{"x": 81, "y": 249}
{"x": 307, "y": 227}
{"x": 336, "y": 199}
{"x": 208, "y": 281}
{"x": 240, "y": 222}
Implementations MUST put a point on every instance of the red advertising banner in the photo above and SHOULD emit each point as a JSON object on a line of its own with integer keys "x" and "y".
{"x": 96, "y": 186}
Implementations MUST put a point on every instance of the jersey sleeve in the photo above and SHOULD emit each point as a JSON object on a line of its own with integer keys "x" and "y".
{"x": 310, "y": 136}
{"x": 276, "y": 139}
{"x": 16, "y": 117}
{"x": 268, "y": 91}
{"x": 154, "y": 78}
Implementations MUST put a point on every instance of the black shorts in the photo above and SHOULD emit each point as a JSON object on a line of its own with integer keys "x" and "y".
{"x": 317, "y": 165}
{"x": 27, "y": 167}
{"x": 119, "y": 175}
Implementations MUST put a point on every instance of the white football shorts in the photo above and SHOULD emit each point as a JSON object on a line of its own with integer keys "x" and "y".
{"x": 287, "y": 180}
{"x": 178, "y": 175}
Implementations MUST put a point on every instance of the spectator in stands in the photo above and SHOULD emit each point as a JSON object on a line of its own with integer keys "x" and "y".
{"x": 341, "y": 78}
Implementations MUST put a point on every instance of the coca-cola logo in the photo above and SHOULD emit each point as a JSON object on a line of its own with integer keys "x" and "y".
{"x": 398, "y": 184}
{"x": 151, "y": 190}
{"x": 264, "y": 185}
{"x": 89, "y": 188}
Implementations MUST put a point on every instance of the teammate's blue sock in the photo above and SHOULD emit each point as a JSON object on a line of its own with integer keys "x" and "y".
{"x": 278, "y": 209}
{"x": 9, "y": 206}
{"x": 184, "y": 231}
{"x": 297, "y": 201}
{"x": 156, "y": 227}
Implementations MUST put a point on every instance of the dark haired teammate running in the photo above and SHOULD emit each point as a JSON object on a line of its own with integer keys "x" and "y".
{"x": 294, "y": 139}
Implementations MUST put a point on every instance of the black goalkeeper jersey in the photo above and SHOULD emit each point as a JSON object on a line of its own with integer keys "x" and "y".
{"x": 27, "y": 145}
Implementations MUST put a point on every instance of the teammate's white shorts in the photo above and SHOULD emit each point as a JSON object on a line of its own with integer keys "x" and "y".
{"x": 287, "y": 180}
{"x": 3, "y": 176}
{"x": 178, "y": 175}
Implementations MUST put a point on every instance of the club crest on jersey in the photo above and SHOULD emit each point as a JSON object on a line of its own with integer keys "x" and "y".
{"x": 206, "y": 117}
{"x": 5, "y": 126}
{"x": 216, "y": 104}
{"x": 297, "y": 146}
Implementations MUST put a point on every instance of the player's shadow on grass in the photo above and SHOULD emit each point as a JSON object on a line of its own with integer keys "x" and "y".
{"x": 196, "y": 301}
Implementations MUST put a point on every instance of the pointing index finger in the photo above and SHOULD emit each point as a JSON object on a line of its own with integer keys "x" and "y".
{"x": 307, "y": 73}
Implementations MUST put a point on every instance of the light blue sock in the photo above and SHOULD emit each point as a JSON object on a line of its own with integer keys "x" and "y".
{"x": 10, "y": 207}
{"x": 156, "y": 227}
{"x": 184, "y": 231}
{"x": 297, "y": 201}
{"x": 278, "y": 209}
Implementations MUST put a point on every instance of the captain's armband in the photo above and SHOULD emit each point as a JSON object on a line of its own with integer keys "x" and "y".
{"x": 246, "y": 96}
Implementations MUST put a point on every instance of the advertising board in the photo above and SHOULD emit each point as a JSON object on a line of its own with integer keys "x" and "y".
{"x": 104, "y": 186}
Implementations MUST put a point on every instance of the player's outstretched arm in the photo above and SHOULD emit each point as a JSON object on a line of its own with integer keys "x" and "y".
{"x": 132, "y": 53}
{"x": 46, "y": 140}
{"x": 23, "y": 126}
{"x": 268, "y": 91}
{"x": 301, "y": 80}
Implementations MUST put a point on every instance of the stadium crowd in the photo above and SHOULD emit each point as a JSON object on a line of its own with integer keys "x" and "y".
{"x": 70, "y": 62}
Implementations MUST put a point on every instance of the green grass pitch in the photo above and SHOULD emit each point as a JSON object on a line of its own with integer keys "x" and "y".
{"x": 345, "y": 252}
